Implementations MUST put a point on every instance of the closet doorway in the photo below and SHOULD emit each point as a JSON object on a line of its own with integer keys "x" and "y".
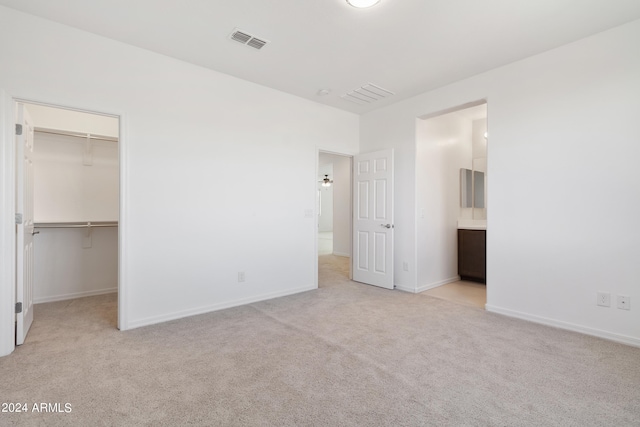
{"x": 68, "y": 194}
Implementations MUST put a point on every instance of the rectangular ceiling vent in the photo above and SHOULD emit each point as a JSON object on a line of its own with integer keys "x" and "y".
{"x": 367, "y": 94}
{"x": 247, "y": 39}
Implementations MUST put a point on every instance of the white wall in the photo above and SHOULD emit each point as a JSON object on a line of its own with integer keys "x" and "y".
{"x": 194, "y": 144}
{"x": 562, "y": 181}
{"x": 341, "y": 205}
{"x": 479, "y": 154}
{"x": 66, "y": 190}
{"x": 444, "y": 146}
{"x": 325, "y": 222}
{"x": 66, "y": 267}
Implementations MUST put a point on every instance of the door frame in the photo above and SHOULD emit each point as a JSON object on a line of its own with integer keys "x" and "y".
{"x": 349, "y": 155}
{"x": 8, "y": 190}
{"x": 25, "y": 232}
{"x": 461, "y": 107}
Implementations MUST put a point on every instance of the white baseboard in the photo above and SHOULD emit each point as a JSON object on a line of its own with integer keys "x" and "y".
{"x": 405, "y": 288}
{"x": 436, "y": 284}
{"x": 624, "y": 339}
{"x": 214, "y": 307}
{"x": 428, "y": 286}
{"x": 74, "y": 295}
{"x": 342, "y": 254}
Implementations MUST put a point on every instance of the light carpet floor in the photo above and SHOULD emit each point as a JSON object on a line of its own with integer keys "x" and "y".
{"x": 345, "y": 354}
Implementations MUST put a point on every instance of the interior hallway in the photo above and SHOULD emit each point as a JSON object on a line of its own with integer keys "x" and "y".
{"x": 333, "y": 270}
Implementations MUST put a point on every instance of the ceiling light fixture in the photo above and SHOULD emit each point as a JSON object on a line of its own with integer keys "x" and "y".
{"x": 362, "y": 3}
{"x": 326, "y": 182}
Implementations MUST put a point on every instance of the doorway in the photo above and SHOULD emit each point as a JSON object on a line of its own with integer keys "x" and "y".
{"x": 74, "y": 193}
{"x": 451, "y": 189}
{"x": 334, "y": 231}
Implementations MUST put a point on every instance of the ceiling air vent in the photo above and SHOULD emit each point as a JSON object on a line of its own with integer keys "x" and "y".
{"x": 247, "y": 39}
{"x": 367, "y": 94}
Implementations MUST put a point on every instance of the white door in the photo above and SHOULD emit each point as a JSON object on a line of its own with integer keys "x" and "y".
{"x": 373, "y": 219}
{"x": 24, "y": 238}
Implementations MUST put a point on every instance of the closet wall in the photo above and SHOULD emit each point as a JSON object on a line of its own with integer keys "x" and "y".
{"x": 75, "y": 183}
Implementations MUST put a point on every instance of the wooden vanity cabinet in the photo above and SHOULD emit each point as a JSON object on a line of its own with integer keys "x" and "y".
{"x": 472, "y": 255}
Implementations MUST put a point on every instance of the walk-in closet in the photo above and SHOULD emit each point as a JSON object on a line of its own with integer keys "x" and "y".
{"x": 75, "y": 204}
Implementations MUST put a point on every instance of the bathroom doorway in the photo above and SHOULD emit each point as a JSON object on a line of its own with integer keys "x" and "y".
{"x": 450, "y": 146}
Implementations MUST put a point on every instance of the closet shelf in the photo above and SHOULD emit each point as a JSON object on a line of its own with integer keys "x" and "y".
{"x": 77, "y": 134}
{"x": 76, "y": 224}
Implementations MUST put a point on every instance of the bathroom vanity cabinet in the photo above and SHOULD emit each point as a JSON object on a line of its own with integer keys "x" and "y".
{"x": 472, "y": 255}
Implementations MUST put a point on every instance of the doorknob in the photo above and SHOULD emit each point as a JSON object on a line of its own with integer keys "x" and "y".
{"x": 34, "y": 232}
{"x": 385, "y": 225}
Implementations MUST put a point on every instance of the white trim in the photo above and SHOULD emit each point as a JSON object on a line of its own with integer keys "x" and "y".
{"x": 624, "y": 339}
{"x": 316, "y": 222}
{"x": 7, "y": 225}
{"x": 123, "y": 224}
{"x": 216, "y": 307}
{"x": 428, "y": 286}
{"x": 413, "y": 270}
{"x": 436, "y": 284}
{"x": 335, "y": 153}
{"x": 404, "y": 288}
{"x": 75, "y": 295}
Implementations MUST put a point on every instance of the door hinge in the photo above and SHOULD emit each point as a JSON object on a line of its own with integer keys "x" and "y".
{"x": 18, "y": 218}
{"x": 18, "y": 129}
{"x": 18, "y": 307}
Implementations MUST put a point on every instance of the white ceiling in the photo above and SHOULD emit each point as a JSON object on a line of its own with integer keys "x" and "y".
{"x": 406, "y": 46}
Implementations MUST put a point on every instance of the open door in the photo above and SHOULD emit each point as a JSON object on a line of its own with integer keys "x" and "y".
{"x": 24, "y": 221}
{"x": 373, "y": 219}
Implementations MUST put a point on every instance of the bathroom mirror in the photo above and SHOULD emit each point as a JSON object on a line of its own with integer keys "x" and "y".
{"x": 478, "y": 189}
{"x": 466, "y": 188}
{"x": 471, "y": 189}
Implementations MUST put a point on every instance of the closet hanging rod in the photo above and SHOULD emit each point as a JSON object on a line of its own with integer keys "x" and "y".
{"x": 87, "y": 224}
{"x": 77, "y": 134}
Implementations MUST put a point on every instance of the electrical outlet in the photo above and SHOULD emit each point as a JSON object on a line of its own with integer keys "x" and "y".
{"x": 624, "y": 302}
{"x": 604, "y": 299}
{"x": 405, "y": 266}
{"x": 241, "y": 277}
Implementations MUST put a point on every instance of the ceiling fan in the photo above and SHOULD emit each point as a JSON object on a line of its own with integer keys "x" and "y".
{"x": 326, "y": 182}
